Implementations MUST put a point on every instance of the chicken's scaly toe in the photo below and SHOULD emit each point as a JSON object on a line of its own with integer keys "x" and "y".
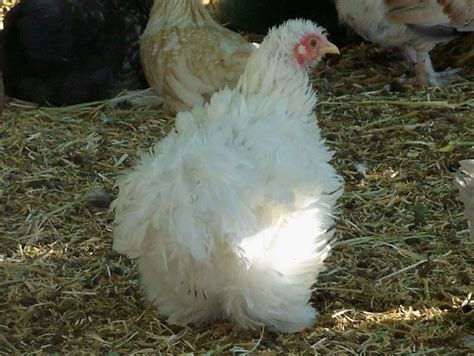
{"x": 444, "y": 78}
{"x": 434, "y": 79}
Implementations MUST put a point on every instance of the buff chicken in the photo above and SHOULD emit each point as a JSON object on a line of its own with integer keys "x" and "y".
{"x": 231, "y": 215}
{"x": 416, "y": 26}
{"x": 187, "y": 56}
{"x": 62, "y": 52}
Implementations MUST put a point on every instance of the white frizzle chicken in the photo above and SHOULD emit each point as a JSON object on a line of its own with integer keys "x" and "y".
{"x": 187, "y": 56}
{"x": 231, "y": 214}
{"x": 465, "y": 183}
{"x": 417, "y": 26}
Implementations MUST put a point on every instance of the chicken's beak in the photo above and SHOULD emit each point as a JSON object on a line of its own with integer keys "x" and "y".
{"x": 329, "y": 48}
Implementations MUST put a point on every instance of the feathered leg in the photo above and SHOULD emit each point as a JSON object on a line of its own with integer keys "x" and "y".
{"x": 426, "y": 75}
{"x": 177, "y": 293}
{"x": 464, "y": 181}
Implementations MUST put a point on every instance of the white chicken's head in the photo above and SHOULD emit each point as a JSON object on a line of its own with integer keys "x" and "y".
{"x": 305, "y": 41}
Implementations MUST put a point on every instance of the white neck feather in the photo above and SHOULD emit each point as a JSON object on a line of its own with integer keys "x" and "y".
{"x": 270, "y": 73}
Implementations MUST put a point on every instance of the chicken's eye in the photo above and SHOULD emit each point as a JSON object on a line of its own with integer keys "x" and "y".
{"x": 313, "y": 43}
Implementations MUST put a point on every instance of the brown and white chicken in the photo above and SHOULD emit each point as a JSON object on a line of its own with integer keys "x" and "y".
{"x": 187, "y": 55}
{"x": 417, "y": 26}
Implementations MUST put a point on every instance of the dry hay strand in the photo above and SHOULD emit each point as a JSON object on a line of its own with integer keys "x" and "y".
{"x": 400, "y": 278}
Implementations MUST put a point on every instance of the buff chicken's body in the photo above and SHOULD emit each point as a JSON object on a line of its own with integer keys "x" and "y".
{"x": 187, "y": 55}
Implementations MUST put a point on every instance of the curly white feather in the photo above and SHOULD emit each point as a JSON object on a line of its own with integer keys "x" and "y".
{"x": 231, "y": 214}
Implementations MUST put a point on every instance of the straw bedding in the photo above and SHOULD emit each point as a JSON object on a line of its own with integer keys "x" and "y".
{"x": 400, "y": 278}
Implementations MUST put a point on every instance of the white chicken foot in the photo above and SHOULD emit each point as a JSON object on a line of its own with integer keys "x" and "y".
{"x": 144, "y": 98}
{"x": 425, "y": 75}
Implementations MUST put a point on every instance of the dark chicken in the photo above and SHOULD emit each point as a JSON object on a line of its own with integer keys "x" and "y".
{"x": 63, "y": 52}
{"x": 258, "y": 16}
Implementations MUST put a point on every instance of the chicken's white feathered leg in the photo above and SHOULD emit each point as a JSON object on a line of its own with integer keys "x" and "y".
{"x": 425, "y": 75}
{"x": 465, "y": 183}
{"x": 184, "y": 296}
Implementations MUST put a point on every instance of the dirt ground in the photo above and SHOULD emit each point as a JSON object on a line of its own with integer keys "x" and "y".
{"x": 400, "y": 278}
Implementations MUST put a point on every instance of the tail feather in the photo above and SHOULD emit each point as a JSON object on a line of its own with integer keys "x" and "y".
{"x": 460, "y": 12}
{"x": 423, "y": 13}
